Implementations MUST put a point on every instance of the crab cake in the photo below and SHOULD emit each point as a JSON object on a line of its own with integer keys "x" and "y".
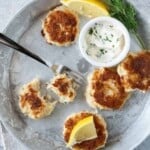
{"x": 105, "y": 90}
{"x": 135, "y": 71}
{"x": 64, "y": 87}
{"x": 60, "y": 26}
{"x": 92, "y": 144}
{"x": 32, "y": 103}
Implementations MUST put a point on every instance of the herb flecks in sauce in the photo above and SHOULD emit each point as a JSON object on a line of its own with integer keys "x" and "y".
{"x": 107, "y": 39}
{"x": 91, "y": 31}
{"x": 103, "y": 42}
{"x": 102, "y": 51}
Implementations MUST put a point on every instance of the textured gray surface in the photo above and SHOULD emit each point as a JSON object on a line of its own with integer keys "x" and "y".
{"x": 7, "y": 10}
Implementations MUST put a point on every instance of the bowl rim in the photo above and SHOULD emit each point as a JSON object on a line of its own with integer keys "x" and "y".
{"x": 121, "y": 55}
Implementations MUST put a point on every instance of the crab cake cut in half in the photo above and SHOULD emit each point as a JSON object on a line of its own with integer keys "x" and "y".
{"x": 32, "y": 103}
{"x": 60, "y": 27}
{"x": 105, "y": 90}
{"x": 135, "y": 71}
{"x": 64, "y": 87}
{"x": 85, "y": 131}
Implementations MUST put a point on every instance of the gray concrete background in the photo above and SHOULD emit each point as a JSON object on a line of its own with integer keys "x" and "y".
{"x": 8, "y": 9}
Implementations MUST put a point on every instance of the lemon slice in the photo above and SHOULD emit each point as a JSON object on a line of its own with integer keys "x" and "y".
{"x": 82, "y": 131}
{"x": 88, "y": 8}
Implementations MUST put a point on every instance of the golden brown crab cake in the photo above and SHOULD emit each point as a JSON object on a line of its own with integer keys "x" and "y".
{"x": 93, "y": 144}
{"x": 64, "y": 87}
{"x": 105, "y": 90}
{"x": 135, "y": 71}
{"x": 32, "y": 103}
{"x": 61, "y": 26}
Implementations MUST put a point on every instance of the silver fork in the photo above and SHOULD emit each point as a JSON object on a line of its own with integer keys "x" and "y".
{"x": 56, "y": 68}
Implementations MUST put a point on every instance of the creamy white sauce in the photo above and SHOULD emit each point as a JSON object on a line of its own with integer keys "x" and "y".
{"x": 103, "y": 42}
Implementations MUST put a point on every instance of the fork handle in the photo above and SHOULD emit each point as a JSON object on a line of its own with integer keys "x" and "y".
{"x": 12, "y": 44}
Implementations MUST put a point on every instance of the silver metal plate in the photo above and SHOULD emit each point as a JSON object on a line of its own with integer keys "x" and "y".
{"x": 127, "y": 127}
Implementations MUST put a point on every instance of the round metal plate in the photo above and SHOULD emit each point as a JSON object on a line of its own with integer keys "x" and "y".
{"x": 127, "y": 127}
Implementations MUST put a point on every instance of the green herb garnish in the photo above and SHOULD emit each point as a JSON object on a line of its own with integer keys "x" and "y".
{"x": 102, "y": 51}
{"x": 107, "y": 39}
{"x": 91, "y": 31}
{"x": 125, "y": 12}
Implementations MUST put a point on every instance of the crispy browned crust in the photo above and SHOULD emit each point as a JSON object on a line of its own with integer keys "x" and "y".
{"x": 89, "y": 144}
{"x": 31, "y": 98}
{"x": 32, "y": 103}
{"x": 60, "y": 27}
{"x": 137, "y": 68}
{"x": 63, "y": 86}
{"x": 106, "y": 90}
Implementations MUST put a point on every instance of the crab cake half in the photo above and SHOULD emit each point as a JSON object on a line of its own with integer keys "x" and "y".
{"x": 32, "y": 103}
{"x": 105, "y": 90}
{"x": 91, "y": 144}
{"x": 60, "y": 26}
{"x": 64, "y": 87}
{"x": 135, "y": 71}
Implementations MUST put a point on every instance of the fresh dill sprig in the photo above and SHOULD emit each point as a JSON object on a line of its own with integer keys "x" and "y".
{"x": 126, "y": 13}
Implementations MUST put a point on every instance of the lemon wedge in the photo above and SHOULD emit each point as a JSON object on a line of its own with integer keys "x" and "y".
{"x": 88, "y": 8}
{"x": 82, "y": 131}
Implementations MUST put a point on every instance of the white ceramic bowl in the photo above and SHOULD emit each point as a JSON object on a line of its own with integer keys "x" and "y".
{"x": 117, "y": 25}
